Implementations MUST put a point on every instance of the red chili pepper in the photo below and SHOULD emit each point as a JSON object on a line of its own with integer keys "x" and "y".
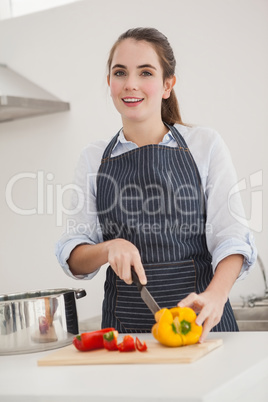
{"x": 110, "y": 340}
{"x": 90, "y": 340}
{"x": 128, "y": 344}
{"x": 141, "y": 346}
{"x": 78, "y": 343}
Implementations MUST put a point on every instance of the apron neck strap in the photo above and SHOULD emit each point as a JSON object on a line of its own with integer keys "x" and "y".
{"x": 177, "y": 136}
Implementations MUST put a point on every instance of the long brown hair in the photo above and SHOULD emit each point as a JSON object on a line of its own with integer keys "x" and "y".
{"x": 170, "y": 111}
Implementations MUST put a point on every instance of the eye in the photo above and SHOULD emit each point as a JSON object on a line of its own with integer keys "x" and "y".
{"x": 146, "y": 73}
{"x": 119, "y": 73}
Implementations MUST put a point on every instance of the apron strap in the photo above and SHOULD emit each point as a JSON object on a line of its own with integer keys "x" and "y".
{"x": 182, "y": 144}
{"x": 177, "y": 136}
{"x": 109, "y": 149}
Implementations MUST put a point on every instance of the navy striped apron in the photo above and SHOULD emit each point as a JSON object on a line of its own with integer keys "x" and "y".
{"x": 152, "y": 196}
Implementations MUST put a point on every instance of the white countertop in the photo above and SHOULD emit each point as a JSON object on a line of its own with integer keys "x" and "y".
{"x": 236, "y": 371}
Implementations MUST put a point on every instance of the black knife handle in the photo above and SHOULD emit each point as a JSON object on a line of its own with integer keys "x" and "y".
{"x": 135, "y": 279}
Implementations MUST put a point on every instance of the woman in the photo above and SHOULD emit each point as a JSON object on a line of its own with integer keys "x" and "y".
{"x": 156, "y": 199}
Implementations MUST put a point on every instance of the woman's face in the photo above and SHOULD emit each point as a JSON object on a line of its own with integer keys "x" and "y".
{"x": 136, "y": 81}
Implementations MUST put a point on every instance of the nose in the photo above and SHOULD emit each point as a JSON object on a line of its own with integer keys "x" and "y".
{"x": 131, "y": 83}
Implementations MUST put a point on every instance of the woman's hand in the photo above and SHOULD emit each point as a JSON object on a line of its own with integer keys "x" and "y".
{"x": 119, "y": 253}
{"x": 210, "y": 303}
{"x": 209, "y": 308}
{"x": 122, "y": 254}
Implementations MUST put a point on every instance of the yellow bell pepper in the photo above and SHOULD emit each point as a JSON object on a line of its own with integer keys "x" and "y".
{"x": 176, "y": 326}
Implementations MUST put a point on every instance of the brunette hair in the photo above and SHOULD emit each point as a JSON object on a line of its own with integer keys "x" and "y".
{"x": 170, "y": 111}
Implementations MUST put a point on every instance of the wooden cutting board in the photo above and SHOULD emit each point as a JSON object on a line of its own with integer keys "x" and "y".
{"x": 156, "y": 353}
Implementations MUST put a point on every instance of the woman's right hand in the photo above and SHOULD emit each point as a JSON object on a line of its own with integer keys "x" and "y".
{"x": 122, "y": 255}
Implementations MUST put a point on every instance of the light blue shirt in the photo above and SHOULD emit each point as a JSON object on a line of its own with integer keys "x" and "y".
{"x": 225, "y": 234}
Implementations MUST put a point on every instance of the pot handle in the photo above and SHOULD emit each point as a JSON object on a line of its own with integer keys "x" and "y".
{"x": 80, "y": 293}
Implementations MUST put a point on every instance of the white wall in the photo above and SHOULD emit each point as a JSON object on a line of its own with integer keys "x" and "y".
{"x": 221, "y": 50}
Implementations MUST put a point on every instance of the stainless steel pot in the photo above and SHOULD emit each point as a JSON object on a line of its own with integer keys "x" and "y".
{"x": 38, "y": 320}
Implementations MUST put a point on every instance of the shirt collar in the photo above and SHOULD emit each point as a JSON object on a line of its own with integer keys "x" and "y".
{"x": 122, "y": 139}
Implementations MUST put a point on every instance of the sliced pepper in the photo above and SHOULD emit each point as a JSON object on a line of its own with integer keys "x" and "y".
{"x": 176, "y": 327}
{"x": 128, "y": 344}
{"x": 90, "y": 340}
{"x": 140, "y": 346}
{"x": 110, "y": 340}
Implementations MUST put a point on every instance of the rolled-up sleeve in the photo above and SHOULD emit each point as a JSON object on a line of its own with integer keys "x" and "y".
{"x": 226, "y": 235}
{"x": 63, "y": 249}
{"x": 82, "y": 224}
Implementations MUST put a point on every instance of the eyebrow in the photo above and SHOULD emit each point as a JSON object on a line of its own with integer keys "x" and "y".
{"x": 141, "y": 66}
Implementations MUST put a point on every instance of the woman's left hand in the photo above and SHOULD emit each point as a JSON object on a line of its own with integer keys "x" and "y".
{"x": 209, "y": 308}
{"x": 209, "y": 305}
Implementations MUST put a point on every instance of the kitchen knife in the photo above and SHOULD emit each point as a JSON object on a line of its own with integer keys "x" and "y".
{"x": 145, "y": 294}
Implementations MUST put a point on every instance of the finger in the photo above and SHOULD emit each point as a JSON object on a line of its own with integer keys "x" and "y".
{"x": 188, "y": 301}
{"x": 121, "y": 267}
{"x": 205, "y": 332}
{"x": 202, "y": 317}
{"x": 208, "y": 319}
{"x": 114, "y": 268}
{"x": 127, "y": 277}
{"x": 125, "y": 270}
{"x": 206, "y": 315}
{"x": 138, "y": 267}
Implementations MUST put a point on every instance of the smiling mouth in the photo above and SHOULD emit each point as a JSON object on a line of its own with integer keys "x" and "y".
{"x": 132, "y": 100}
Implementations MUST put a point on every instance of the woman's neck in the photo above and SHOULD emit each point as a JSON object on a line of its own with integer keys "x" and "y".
{"x": 144, "y": 133}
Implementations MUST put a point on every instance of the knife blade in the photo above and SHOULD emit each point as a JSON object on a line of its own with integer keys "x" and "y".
{"x": 145, "y": 294}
